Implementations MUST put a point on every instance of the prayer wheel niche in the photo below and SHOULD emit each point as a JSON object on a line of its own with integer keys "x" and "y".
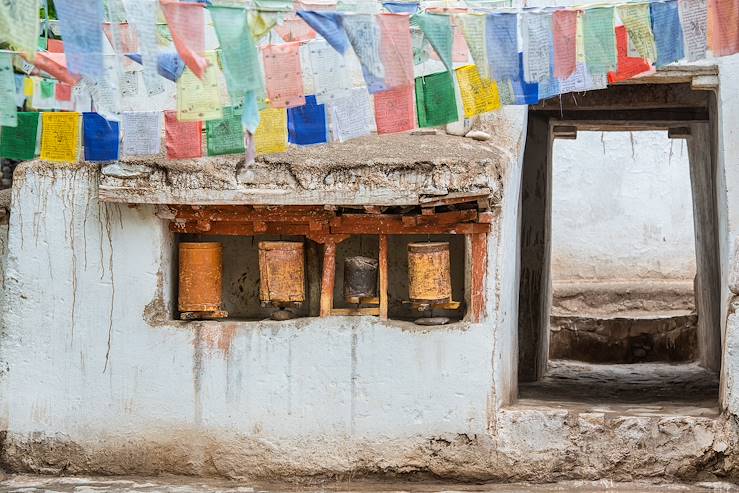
{"x": 282, "y": 273}
{"x": 429, "y": 275}
{"x": 360, "y": 279}
{"x": 201, "y": 273}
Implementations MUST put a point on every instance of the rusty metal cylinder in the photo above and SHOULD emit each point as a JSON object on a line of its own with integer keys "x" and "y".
{"x": 201, "y": 274}
{"x": 282, "y": 272}
{"x": 360, "y": 278}
{"x": 429, "y": 272}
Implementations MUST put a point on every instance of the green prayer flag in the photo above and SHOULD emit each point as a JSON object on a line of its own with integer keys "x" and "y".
{"x": 47, "y": 88}
{"x": 274, "y": 5}
{"x": 599, "y": 38}
{"x": 238, "y": 50}
{"x": 438, "y": 30}
{"x": 20, "y": 142}
{"x": 19, "y": 24}
{"x": 436, "y": 101}
{"x": 225, "y": 136}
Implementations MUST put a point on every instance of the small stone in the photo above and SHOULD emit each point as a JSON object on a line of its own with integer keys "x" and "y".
{"x": 456, "y": 128}
{"x": 432, "y": 321}
{"x": 479, "y": 135}
{"x": 282, "y": 315}
{"x": 124, "y": 170}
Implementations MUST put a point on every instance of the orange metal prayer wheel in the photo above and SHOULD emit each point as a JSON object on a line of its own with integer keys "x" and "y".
{"x": 201, "y": 273}
{"x": 281, "y": 272}
{"x": 429, "y": 275}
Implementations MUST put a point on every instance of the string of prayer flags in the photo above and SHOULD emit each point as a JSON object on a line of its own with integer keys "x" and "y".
{"x": 537, "y": 46}
{"x": 238, "y": 49}
{"x": 8, "y": 110}
{"x": 636, "y": 18}
{"x": 364, "y": 36}
{"x": 473, "y": 28}
{"x": 564, "y": 30}
{"x": 19, "y": 25}
{"x": 502, "y": 46}
{"x": 283, "y": 74}
{"x": 599, "y": 40}
{"x": 328, "y": 25}
{"x": 83, "y": 37}
{"x": 628, "y": 67}
{"x": 668, "y": 35}
{"x": 199, "y": 99}
{"x": 396, "y": 49}
{"x": 225, "y": 136}
{"x": 19, "y": 142}
{"x": 395, "y": 110}
{"x": 186, "y": 22}
{"x": 352, "y": 117}
{"x": 723, "y": 27}
{"x": 142, "y": 132}
{"x": 435, "y": 100}
{"x": 101, "y": 137}
{"x": 437, "y": 29}
{"x": 306, "y": 125}
{"x": 271, "y": 134}
{"x": 60, "y": 139}
{"x": 478, "y": 95}
{"x": 183, "y": 140}
{"x": 329, "y": 72}
{"x": 694, "y": 23}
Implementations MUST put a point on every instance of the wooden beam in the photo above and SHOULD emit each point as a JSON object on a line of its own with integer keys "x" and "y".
{"x": 355, "y": 311}
{"x": 313, "y": 271}
{"x": 479, "y": 269}
{"x": 246, "y": 214}
{"x": 329, "y": 278}
{"x": 383, "y": 274}
{"x": 454, "y": 198}
{"x": 398, "y": 228}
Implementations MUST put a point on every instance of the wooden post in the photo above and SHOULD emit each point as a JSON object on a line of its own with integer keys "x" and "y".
{"x": 479, "y": 268}
{"x": 313, "y": 272}
{"x": 329, "y": 278}
{"x": 383, "y": 277}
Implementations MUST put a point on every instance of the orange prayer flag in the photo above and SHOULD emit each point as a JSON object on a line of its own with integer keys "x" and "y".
{"x": 283, "y": 75}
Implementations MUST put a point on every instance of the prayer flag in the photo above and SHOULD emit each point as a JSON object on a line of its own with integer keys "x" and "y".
{"x": 599, "y": 40}
{"x": 473, "y": 28}
{"x": 364, "y": 36}
{"x": 28, "y": 86}
{"x": 143, "y": 15}
{"x": 502, "y": 46}
{"x": 395, "y": 110}
{"x": 63, "y": 92}
{"x": 460, "y": 52}
{"x": 537, "y": 46}
{"x": 142, "y": 133}
{"x": 328, "y": 25}
{"x": 199, "y": 99}
{"x": 186, "y": 22}
{"x": 55, "y": 64}
{"x": 330, "y": 77}
{"x": 81, "y": 25}
{"x": 184, "y": 140}
{"x": 8, "y": 110}
{"x": 723, "y": 26}
{"x": 637, "y": 20}
{"x": 478, "y": 95}
{"x": 435, "y": 100}
{"x": 19, "y": 25}
{"x": 401, "y": 7}
{"x": 396, "y": 49}
{"x": 628, "y": 67}
{"x": 20, "y": 142}
{"x": 102, "y": 138}
{"x": 438, "y": 30}
{"x": 239, "y": 51}
{"x": 668, "y": 35}
{"x": 60, "y": 138}
{"x": 225, "y": 136}
{"x": 295, "y": 30}
{"x": 47, "y": 88}
{"x": 352, "y": 117}
{"x": 306, "y": 124}
{"x": 564, "y": 29}
{"x": 694, "y": 22}
{"x": 283, "y": 75}
{"x": 271, "y": 134}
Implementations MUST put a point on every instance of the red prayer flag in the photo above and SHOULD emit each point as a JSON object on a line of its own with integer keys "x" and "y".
{"x": 628, "y": 67}
{"x": 564, "y": 28}
{"x": 186, "y": 22}
{"x": 295, "y": 30}
{"x": 63, "y": 92}
{"x": 55, "y": 45}
{"x": 183, "y": 139}
{"x": 283, "y": 75}
{"x": 396, "y": 49}
{"x": 395, "y": 110}
{"x": 55, "y": 64}
{"x": 723, "y": 27}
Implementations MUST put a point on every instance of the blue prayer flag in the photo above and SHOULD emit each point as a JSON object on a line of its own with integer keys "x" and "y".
{"x": 306, "y": 124}
{"x": 501, "y": 34}
{"x": 328, "y": 25}
{"x": 523, "y": 92}
{"x": 101, "y": 138}
{"x": 169, "y": 64}
{"x": 401, "y": 7}
{"x": 668, "y": 35}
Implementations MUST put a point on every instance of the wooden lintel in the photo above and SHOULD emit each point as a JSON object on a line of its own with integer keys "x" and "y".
{"x": 244, "y": 214}
{"x": 400, "y": 229}
{"x": 355, "y": 311}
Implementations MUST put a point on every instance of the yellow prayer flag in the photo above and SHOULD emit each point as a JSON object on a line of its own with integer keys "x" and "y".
{"x": 271, "y": 134}
{"x": 200, "y": 99}
{"x": 60, "y": 139}
{"x": 27, "y": 87}
{"x": 478, "y": 95}
{"x": 579, "y": 40}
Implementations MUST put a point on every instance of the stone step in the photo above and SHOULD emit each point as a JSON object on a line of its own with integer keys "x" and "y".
{"x": 624, "y": 337}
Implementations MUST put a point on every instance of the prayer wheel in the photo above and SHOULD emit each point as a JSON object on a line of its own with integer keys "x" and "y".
{"x": 429, "y": 273}
{"x": 282, "y": 272}
{"x": 360, "y": 278}
{"x": 201, "y": 272}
